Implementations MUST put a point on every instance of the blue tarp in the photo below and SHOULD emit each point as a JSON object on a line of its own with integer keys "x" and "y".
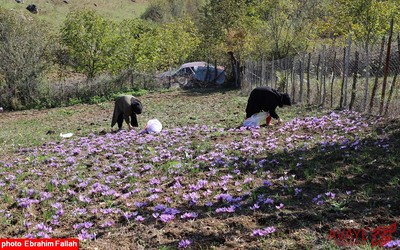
{"x": 212, "y": 76}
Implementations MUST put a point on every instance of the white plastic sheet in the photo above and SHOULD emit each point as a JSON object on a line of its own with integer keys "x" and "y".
{"x": 256, "y": 120}
{"x": 67, "y": 135}
{"x": 153, "y": 126}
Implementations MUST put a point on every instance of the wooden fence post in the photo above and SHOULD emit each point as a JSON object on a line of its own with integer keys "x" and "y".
{"x": 262, "y": 70}
{"x": 347, "y": 71}
{"x": 343, "y": 79}
{"x": 375, "y": 86}
{"x": 308, "y": 79}
{"x": 301, "y": 77}
{"x": 386, "y": 69}
{"x": 273, "y": 84}
{"x": 287, "y": 60}
{"x": 333, "y": 77}
{"x": 394, "y": 78}
{"x": 366, "y": 85}
{"x": 323, "y": 76}
{"x": 293, "y": 80}
{"x": 353, "y": 88}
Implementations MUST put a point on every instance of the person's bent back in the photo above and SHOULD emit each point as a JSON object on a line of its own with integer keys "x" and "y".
{"x": 126, "y": 108}
{"x": 266, "y": 99}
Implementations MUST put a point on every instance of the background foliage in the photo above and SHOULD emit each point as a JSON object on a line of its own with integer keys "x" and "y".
{"x": 162, "y": 34}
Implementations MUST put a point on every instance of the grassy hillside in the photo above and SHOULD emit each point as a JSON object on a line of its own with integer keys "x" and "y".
{"x": 55, "y": 11}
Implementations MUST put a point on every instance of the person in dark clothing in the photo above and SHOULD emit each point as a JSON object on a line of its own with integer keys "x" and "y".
{"x": 266, "y": 99}
{"x": 126, "y": 108}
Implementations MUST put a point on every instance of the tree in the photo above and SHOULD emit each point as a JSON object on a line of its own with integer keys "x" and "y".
{"x": 222, "y": 27}
{"x": 130, "y": 36}
{"x": 165, "y": 46}
{"x": 177, "y": 41}
{"x": 90, "y": 42}
{"x": 26, "y": 50}
{"x": 287, "y": 26}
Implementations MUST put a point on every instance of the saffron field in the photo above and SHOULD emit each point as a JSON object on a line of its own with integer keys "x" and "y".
{"x": 204, "y": 182}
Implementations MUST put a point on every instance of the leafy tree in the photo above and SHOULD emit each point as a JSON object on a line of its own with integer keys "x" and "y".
{"x": 131, "y": 34}
{"x": 26, "y": 50}
{"x": 221, "y": 27}
{"x": 166, "y": 46}
{"x": 287, "y": 26}
{"x": 90, "y": 42}
{"x": 177, "y": 41}
{"x": 250, "y": 28}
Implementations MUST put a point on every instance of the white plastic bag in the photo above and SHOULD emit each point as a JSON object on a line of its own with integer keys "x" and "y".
{"x": 256, "y": 120}
{"x": 67, "y": 135}
{"x": 153, "y": 126}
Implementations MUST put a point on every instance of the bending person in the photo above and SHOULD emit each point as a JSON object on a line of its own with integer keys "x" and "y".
{"x": 126, "y": 108}
{"x": 266, "y": 99}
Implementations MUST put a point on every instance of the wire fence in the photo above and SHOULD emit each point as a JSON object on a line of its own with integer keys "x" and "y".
{"x": 352, "y": 77}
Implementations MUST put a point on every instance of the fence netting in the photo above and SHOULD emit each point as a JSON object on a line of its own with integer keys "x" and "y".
{"x": 352, "y": 77}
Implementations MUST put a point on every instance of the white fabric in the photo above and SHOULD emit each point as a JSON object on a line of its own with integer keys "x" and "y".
{"x": 153, "y": 126}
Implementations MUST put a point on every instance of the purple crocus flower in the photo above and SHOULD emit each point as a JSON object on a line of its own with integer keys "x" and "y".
{"x": 167, "y": 217}
{"x": 330, "y": 195}
{"x": 191, "y": 215}
{"x": 85, "y": 235}
{"x": 255, "y": 207}
{"x": 393, "y": 244}
{"x": 297, "y": 191}
{"x": 139, "y": 218}
{"x": 107, "y": 224}
{"x": 263, "y": 232}
{"x": 185, "y": 243}
{"x": 230, "y": 209}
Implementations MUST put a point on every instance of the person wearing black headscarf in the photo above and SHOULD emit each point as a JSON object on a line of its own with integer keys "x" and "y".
{"x": 266, "y": 99}
{"x": 126, "y": 108}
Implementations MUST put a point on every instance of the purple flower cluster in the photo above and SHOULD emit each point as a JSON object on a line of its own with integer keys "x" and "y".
{"x": 185, "y": 243}
{"x": 26, "y": 202}
{"x": 318, "y": 200}
{"x": 263, "y": 232}
{"x": 107, "y": 178}
{"x": 393, "y": 244}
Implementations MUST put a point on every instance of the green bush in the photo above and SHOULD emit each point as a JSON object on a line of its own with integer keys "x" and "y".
{"x": 26, "y": 53}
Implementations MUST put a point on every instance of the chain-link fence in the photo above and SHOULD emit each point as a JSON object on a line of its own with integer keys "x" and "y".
{"x": 352, "y": 77}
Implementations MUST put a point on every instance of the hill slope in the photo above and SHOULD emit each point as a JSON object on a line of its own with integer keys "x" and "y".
{"x": 55, "y": 11}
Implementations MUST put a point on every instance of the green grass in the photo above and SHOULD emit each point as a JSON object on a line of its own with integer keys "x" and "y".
{"x": 54, "y": 12}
